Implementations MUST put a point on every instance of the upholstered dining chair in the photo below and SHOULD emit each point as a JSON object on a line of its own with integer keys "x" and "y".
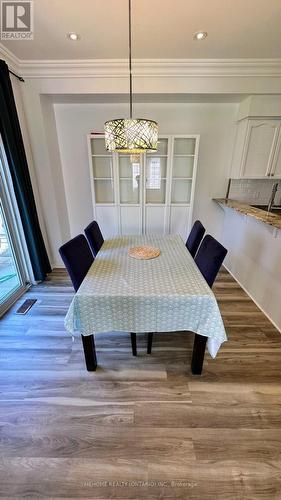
{"x": 195, "y": 236}
{"x": 94, "y": 236}
{"x": 209, "y": 259}
{"x": 78, "y": 258}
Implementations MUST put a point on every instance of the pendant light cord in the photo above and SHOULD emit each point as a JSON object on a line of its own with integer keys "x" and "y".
{"x": 130, "y": 58}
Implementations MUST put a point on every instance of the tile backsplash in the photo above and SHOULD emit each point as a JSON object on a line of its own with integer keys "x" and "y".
{"x": 254, "y": 191}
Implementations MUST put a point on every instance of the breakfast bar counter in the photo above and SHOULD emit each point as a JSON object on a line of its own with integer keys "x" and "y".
{"x": 273, "y": 219}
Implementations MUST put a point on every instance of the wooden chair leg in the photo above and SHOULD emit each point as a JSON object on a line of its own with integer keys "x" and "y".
{"x": 149, "y": 342}
{"x": 134, "y": 343}
{"x": 198, "y": 354}
{"x": 89, "y": 352}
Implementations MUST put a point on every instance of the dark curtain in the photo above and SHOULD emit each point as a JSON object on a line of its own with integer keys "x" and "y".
{"x": 14, "y": 149}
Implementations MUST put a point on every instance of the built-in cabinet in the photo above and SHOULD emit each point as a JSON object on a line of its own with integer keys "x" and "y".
{"x": 147, "y": 193}
{"x": 257, "y": 150}
{"x": 276, "y": 170}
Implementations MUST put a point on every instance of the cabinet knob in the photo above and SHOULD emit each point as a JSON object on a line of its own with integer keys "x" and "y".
{"x": 268, "y": 175}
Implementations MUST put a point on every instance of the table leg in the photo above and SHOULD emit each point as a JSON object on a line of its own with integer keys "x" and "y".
{"x": 149, "y": 342}
{"x": 134, "y": 343}
{"x": 89, "y": 352}
{"x": 198, "y": 354}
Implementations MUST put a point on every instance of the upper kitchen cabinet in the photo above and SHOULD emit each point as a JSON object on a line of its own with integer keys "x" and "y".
{"x": 276, "y": 165}
{"x": 256, "y": 153}
{"x": 256, "y": 149}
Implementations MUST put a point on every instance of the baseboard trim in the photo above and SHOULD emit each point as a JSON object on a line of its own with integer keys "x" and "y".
{"x": 254, "y": 300}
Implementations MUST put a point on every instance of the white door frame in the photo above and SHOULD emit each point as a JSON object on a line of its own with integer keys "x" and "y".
{"x": 15, "y": 232}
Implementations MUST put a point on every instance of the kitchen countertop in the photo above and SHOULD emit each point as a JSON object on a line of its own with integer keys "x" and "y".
{"x": 266, "y": 217}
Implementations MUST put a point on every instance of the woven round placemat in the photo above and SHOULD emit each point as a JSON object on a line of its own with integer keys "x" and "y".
{"x": 144, "y": 253}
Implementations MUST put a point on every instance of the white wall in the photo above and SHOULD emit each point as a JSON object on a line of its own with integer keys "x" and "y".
{"x": 46, "y": 171}
{"x": 61, "y": 181}
{"x": 214, "y": 122}
{"x": 174, "y": 79}
{"x": 61, "y": 170}
{"x": 254, "y": 258}
{"x": 17, "y": 88}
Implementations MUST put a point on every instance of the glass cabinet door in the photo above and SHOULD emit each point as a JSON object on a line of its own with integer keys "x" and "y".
{"x": 129, "y": 178}
{"x": 156, "y": 174}
{"x": 149, "y": 192}
{"x": 182, "y": 170}
{"x": 102, "y": 165}
{"x": 184, "y": 146}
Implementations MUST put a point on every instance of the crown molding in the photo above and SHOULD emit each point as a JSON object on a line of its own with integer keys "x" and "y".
{"x": 10, "y": 58}
{"x": 167, "y": 68}
{"x": 112, "y": 68}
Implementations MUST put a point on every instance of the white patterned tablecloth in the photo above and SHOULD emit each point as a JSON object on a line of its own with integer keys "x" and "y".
{"x": 164, "y": 294}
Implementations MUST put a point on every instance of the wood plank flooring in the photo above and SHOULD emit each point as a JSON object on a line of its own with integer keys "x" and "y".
{"x": 138, "y": 427}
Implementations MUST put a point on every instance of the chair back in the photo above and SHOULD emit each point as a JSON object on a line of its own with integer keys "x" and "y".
{"x": 209, "y": 258}
{"x": 94, "y": 236}
{"x": 195, "y": 236}
{"x": 78, "y": 258}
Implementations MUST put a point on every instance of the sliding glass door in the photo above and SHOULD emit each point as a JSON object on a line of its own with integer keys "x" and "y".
{"x": 10, "y": 276}
{"x": 14, "y": 275}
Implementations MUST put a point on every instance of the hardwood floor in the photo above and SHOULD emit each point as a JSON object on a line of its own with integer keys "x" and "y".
{"x": 138, "y": 427}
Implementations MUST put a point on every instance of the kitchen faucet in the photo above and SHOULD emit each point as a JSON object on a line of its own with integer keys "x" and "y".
{"x": 272, "y": 196}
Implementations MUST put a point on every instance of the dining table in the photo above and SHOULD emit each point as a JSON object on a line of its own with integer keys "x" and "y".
{"x": 164, "y": 294}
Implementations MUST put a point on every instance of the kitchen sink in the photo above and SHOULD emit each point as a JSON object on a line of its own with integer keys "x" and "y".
{"x": 274, "y": 210}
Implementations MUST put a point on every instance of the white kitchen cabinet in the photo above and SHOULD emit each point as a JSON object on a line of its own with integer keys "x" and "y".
{"x": 276, "y": 166}
{"x": 256, "y": 149}
{"x": 147, "y": 193}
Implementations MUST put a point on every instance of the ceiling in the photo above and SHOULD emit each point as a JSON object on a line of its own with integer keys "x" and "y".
{"x": 162, "y": 29}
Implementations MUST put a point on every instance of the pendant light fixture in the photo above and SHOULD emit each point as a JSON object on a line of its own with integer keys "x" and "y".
{"x": 131, "y": 135}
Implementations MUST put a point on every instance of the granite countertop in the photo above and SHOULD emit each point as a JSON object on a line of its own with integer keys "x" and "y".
{"x": 266, "y": 217}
